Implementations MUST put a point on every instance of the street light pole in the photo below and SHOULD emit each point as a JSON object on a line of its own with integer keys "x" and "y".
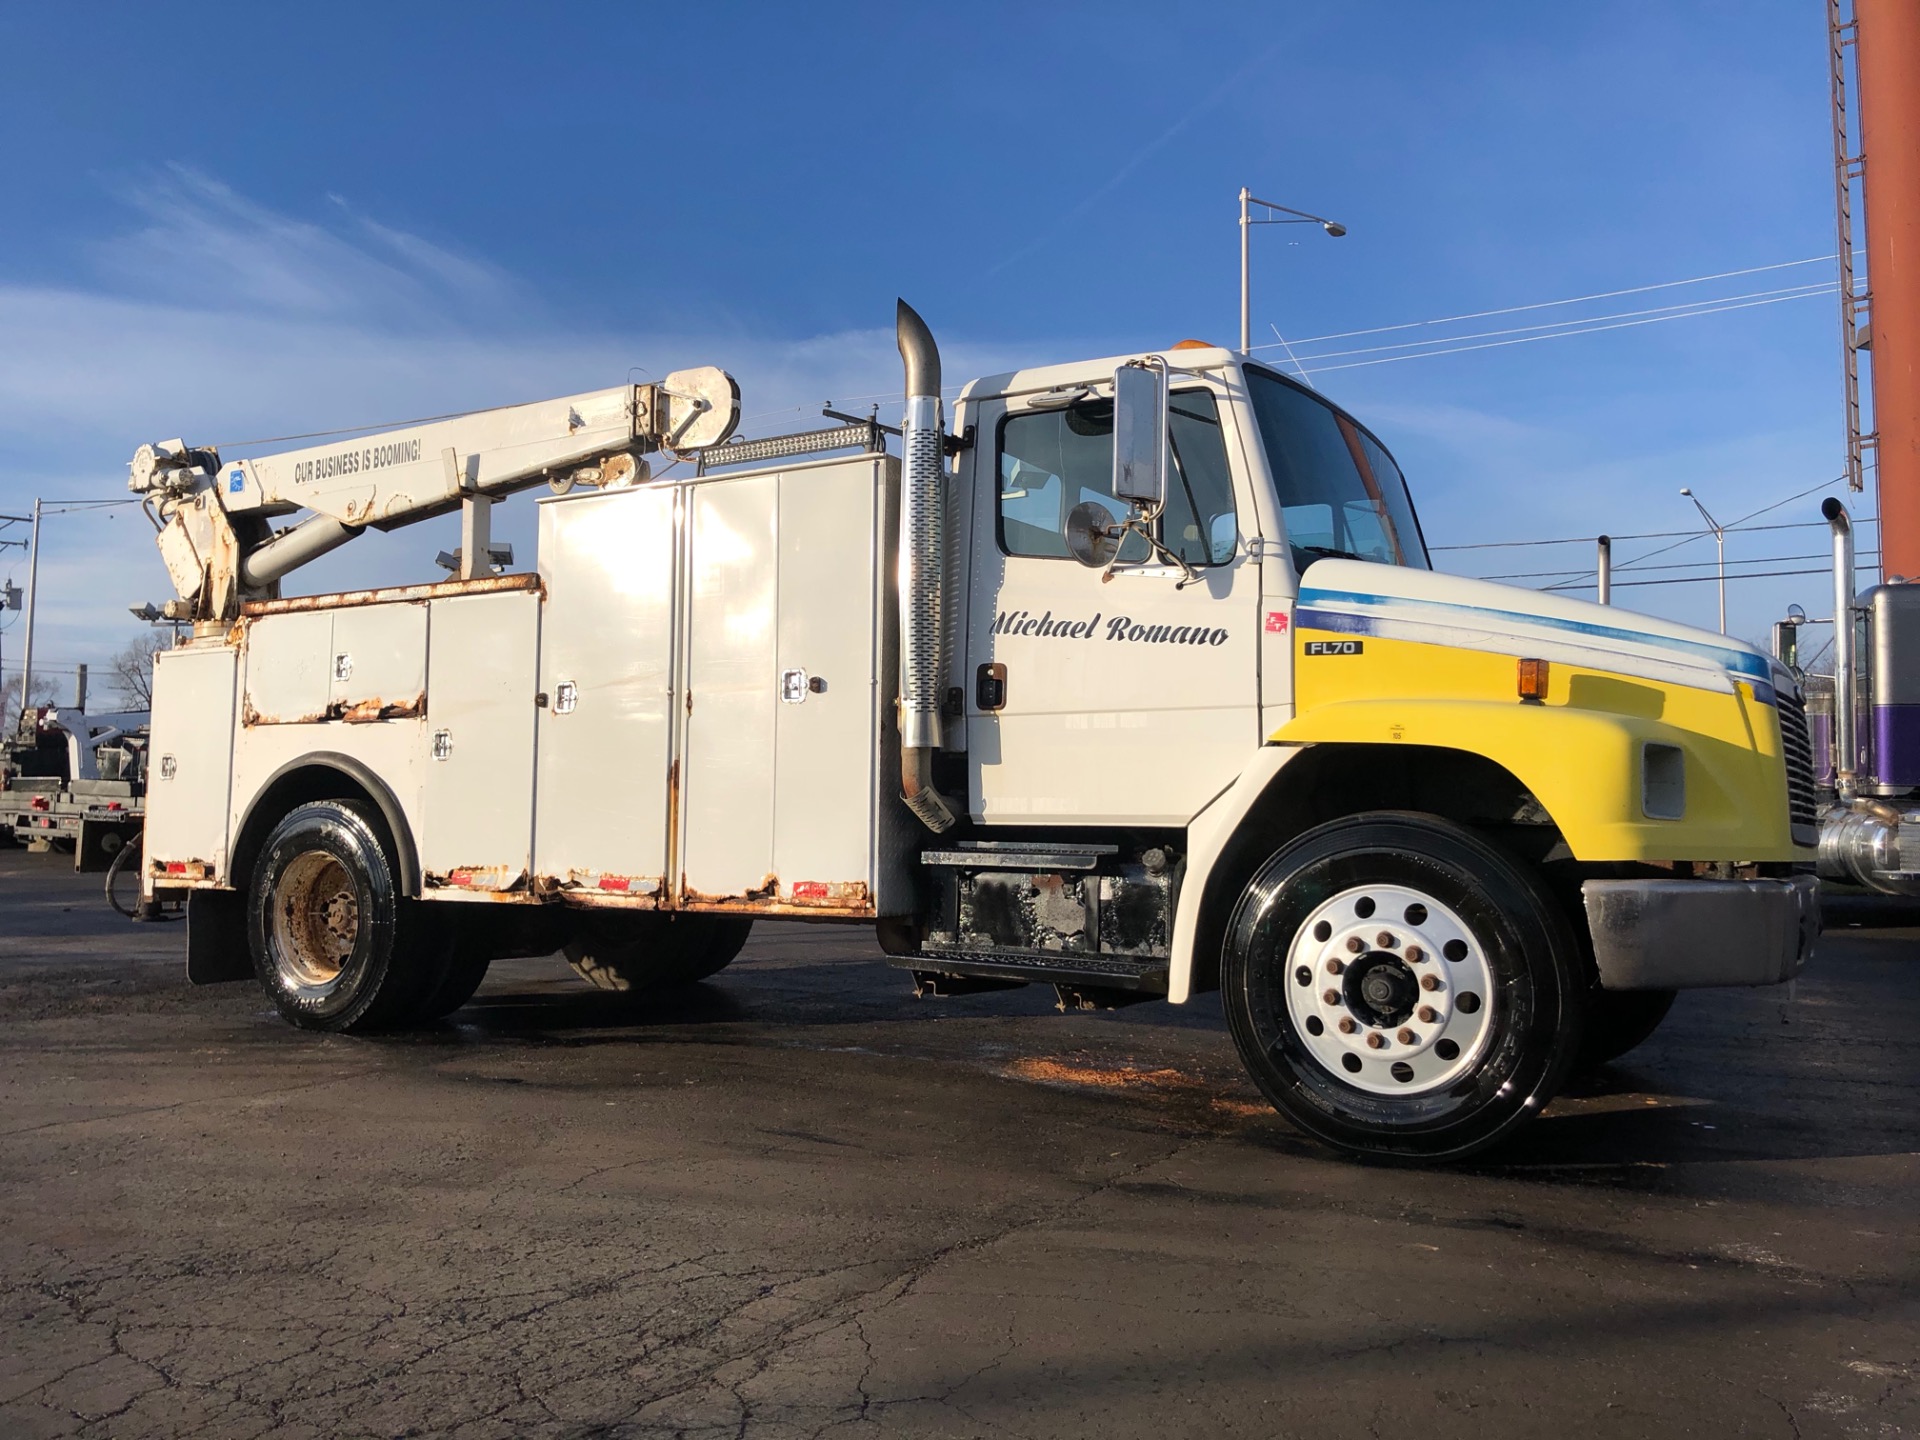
{"x": 1720, "y": 542}
{"x": 26, "y": 649}
{"x": 1247, "y": 222}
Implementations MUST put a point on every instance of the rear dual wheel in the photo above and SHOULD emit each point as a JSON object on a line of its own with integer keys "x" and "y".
{"x": 1401, "y": 989}
{"x": 638, "y": 953}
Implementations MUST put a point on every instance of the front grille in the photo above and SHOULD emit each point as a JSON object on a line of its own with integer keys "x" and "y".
{"x": 1799, "y": 756}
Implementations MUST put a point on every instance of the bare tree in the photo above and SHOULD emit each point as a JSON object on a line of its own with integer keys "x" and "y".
{"x": 130, "y": 671}
{"x": 10, "y": 699}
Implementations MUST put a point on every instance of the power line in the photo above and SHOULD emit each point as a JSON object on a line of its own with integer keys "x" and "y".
{"x": 1574, "y": 300}
{"x": 1691, "y": 307}
{"x": 1559, "y": 334}
{"x": 1685, "y": 565}
{"x": 1657, "y": 534}
{"x": 1688, "y": 580}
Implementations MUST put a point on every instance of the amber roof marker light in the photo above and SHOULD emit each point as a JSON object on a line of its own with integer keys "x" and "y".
{"x": 1533, "y": 681}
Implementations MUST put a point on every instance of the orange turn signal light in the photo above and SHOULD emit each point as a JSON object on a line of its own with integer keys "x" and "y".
{"x": 1533, "y": 680}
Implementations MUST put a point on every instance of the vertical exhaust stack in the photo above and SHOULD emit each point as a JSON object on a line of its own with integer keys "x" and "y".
{"x": 922, "y": 571}
{"x": 1845, "y": 666}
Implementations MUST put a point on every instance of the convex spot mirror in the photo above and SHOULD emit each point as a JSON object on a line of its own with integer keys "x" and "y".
{"x": 1092, "y": 534}
{"x": 1140, "y": 435}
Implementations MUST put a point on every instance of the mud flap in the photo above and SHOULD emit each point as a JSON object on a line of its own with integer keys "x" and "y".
{"x": 217, "y": 937}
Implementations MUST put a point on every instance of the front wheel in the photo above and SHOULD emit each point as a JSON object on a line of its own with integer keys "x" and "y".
{"x": 1402, "y": 989}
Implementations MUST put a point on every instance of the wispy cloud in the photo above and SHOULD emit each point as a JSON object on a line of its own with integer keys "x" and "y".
{"x": 1134, "y": 162}
{"x": 222, "y": 320}
{"x": 207, "y": 246}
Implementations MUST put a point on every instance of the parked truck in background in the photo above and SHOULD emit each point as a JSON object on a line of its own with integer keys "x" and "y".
{"x": 1136, "y": 682}
{"x": 74, "y": 780}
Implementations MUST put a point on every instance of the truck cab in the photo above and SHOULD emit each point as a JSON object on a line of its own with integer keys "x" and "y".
{"x": 1136, "y": 681}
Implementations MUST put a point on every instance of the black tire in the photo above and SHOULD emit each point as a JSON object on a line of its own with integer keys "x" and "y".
{"x": 1619, "y": 1021}
{"x": 1410, "y": 1061}
{"x": 456, "y": 987}
{"x": 637, "y": 953}
{"x": 335, "y": 944}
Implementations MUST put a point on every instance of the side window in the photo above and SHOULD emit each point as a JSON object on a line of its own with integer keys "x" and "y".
{"x": 1053, "y": 460}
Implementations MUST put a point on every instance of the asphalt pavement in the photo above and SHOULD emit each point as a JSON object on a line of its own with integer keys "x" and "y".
{"x": 795, "y": 1200}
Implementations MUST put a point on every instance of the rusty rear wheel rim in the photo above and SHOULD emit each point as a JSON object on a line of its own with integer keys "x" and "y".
{"x": 315, "y": 918}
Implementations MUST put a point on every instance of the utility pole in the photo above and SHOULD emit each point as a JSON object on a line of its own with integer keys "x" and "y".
{"x": 33, "y": 577}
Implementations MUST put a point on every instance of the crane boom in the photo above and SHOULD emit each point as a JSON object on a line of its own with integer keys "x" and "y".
{"x": 216, "y": 517}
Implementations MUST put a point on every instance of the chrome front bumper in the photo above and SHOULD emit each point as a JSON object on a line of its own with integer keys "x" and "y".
{"x": 1685, "y": 934}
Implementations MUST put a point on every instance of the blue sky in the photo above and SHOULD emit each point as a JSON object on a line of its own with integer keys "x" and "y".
{"x": 230, "y": 222}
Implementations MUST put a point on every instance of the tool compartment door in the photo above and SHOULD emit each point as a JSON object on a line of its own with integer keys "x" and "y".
{"x": 782, "y": 742}
{"x": 827, "y": 663}
{"x": 606, "y": 668}
{"x": 732, "y": 690}
{"x": 190, "y": 759}
{"x": 477, "y": 800}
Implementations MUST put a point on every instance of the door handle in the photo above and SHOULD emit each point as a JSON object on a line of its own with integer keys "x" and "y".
{"x": 990, "y": 687}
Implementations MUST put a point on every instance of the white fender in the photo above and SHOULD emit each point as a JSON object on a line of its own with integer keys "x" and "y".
{"x": 1207, "y": 835}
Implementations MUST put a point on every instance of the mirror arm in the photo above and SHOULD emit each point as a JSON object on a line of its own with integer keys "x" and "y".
{"x": 1141, "y": 523}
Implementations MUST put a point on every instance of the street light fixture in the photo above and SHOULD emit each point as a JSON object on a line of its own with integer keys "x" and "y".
{"x": 1247, "y": 222}
{"x": 1720, "y": 540}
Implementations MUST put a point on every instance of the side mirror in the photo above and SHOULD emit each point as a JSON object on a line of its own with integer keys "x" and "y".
{"x": 1222, "y": 536}
{"x": 1140, "y": 435}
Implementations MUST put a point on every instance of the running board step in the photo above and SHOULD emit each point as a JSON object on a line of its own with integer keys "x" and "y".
{"x": 1146, "y": 976}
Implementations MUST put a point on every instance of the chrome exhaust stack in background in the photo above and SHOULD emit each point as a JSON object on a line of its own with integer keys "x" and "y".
{"x": 1846, "y": 747}
{"x": 1860, "y": 837}
{"x": 922, "y": 571}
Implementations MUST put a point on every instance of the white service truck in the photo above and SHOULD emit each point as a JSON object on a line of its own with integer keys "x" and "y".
{"x": 1136, "y": 682}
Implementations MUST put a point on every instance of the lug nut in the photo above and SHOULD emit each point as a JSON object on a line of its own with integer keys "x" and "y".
{"x": 1429, "y": 982}
{"x": 1427, "y": 1014}
{"x": 1407, "y": 1037}
{"x": 1416, "y": 954}
{"x": 1332, "y": 997}
{"x": 1335, "y": 967}
{"x": 1347, "y": 1025}
{"x": 1355, "y": 944}
{"x": 1385, "y": 940}
{"x": 1376, "y": 1041}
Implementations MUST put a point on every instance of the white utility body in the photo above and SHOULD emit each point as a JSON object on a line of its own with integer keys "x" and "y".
{"x": 1033, "y": 697}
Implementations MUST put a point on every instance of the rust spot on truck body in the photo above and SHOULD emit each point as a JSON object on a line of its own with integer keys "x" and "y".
{"x": 364, "y": 712}
{"x": 841, "y": 900}
{"x": 177, "y": 873}
{"x": 480, "y": 882}
{"x": 340, "y": 600}
{"x": 829, "y": 895}
{"x": 357, "y": 712}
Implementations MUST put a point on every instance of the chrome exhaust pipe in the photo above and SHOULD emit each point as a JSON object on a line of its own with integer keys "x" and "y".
{"x": 1845, "y": 664}
{"x": 922, "y": 571}
{"x": 1860, "y": 837}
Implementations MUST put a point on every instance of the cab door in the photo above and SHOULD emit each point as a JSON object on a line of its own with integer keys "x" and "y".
{"x": 1132, "y": 700}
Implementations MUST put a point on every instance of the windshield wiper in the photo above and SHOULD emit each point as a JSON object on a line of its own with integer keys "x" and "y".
{"x": 1327, "y": 552}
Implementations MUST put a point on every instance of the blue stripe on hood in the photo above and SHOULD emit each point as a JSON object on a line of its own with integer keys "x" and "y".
{"x": 1741, "y": 662}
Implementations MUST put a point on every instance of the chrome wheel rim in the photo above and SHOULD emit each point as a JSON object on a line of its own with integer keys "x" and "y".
{"x": 316, "y": 920}
{"x": 1390, "y": 991}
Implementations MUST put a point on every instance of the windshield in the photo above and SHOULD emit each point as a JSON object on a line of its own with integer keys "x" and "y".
{"x": 1340, "y": 492}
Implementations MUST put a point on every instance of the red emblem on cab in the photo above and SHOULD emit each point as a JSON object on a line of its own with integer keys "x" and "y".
{"x": 1276, "y": 622}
